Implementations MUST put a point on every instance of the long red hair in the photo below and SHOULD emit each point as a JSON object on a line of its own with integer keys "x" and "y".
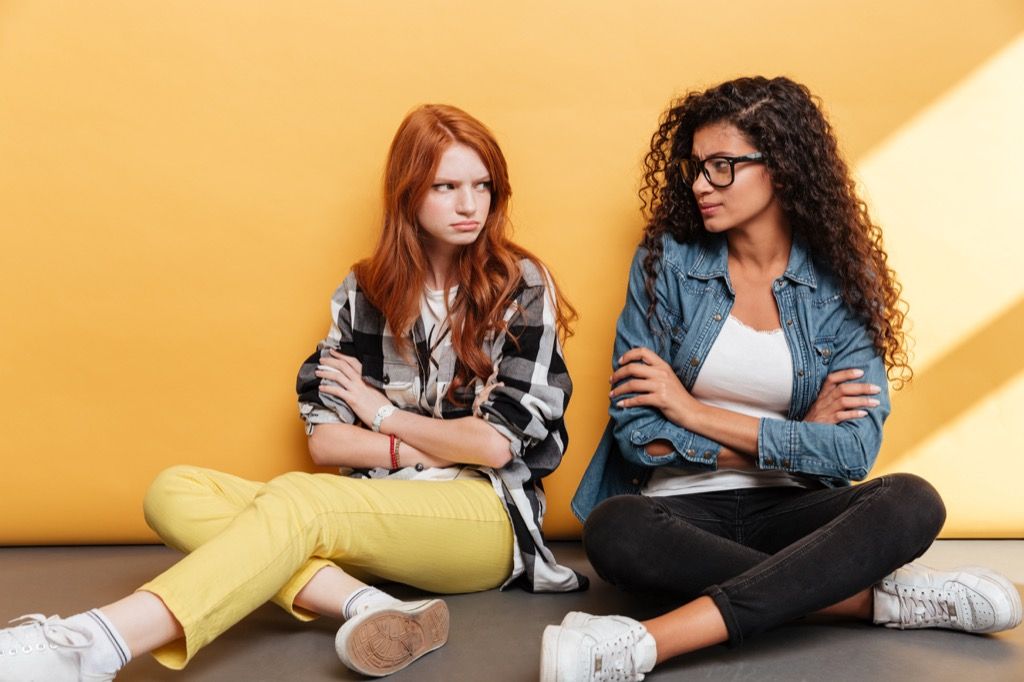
{"x": 487, "y": 271}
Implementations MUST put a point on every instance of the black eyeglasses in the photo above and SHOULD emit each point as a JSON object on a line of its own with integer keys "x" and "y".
{"x": 720, "y": 171}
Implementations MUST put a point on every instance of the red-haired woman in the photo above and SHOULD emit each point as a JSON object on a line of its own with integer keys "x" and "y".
{"x": 440, "y": 392}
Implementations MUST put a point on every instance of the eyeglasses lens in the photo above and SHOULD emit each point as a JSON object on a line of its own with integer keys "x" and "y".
{"x": 719, "y": 171}
{"x": 689, "y": 169}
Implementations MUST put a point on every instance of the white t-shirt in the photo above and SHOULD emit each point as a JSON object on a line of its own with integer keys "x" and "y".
{"x": 749, "y": 372}
{"x": 439, "y": 340}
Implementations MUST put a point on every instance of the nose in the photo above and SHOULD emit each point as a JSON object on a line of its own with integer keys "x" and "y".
{"x": 466, "y": 202}
{"x": 701, "y": 186}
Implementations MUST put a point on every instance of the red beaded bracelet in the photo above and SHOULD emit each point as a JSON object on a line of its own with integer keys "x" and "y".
{"x": 394, "y": 444}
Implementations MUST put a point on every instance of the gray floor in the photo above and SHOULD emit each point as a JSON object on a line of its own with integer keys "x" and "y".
{"x": 496, "y": 635}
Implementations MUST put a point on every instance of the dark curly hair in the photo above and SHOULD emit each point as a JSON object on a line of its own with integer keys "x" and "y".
{"x": 811, "y": 181}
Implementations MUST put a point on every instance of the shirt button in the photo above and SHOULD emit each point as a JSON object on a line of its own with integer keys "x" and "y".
{"x": 717, "y": 318}
{"x": 691, "y": 452}
{"x": 694, "y": 362}
{"x": 387, "y": 379}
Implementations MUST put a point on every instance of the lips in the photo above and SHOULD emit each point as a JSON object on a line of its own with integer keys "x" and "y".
{"x": 466, "y": 226}
{"x": 709, "y": 209}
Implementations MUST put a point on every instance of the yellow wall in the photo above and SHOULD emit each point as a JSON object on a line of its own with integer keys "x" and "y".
{"x": 183, "y": 184}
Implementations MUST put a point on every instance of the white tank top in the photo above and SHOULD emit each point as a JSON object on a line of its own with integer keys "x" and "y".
{"x": 749, "y": 372}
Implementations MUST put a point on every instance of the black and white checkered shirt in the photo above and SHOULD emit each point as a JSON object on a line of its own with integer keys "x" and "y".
{"x": 524, "y": 399}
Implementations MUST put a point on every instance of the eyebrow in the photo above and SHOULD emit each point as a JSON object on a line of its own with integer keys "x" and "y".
{"x": 439, "y": 180}
{"x": 714, "y": 154}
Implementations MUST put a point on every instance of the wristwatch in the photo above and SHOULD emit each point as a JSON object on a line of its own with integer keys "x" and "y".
{"x": 383, "y": 413}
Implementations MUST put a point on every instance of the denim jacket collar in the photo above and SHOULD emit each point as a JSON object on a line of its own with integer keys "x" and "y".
{"x": 713, "y": 262}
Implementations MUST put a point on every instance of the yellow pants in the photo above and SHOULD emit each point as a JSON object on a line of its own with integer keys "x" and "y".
{"x": 252, "y": 542}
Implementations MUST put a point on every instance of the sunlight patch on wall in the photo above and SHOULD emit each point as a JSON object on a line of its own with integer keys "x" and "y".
{"x": 946, "y": 189}
{"x": 975, "y": 463}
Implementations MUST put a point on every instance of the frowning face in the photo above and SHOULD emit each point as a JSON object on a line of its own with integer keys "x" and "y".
{"x": 749, "y": 199}
{"x": 455, "y": 208}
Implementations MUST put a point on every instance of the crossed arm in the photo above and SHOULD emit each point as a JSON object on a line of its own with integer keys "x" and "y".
{"x": 467, "y": 440}
{"x": 653, "y": 383}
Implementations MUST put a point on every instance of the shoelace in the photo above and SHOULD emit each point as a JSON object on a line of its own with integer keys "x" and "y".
{"x": 920, "y": 608}
{"x": 623, "y": 666}
{"x": 36, "y": 631}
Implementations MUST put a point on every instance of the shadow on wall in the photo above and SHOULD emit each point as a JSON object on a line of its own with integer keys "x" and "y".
{"x": 975, "y": 368}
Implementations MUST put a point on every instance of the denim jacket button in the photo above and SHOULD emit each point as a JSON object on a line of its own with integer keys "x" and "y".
{"x": 694, "y": 362}
{"x": 691, "y": 452}
{"x": 789, "y": 323}
{"x": 707, "y": 454}
{"x": 769, "y": 461}
{"x": 785, "y": 463}
{"x": 826, "y": 352}
{"x": 717, "y": 318}
{"x": 799, "y": 372}
{"x": 636, "y": 481}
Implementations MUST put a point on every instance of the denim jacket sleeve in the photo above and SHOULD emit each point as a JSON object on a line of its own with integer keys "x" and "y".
{"x": 846, "y": 450}
{"x": 635, "y": 427}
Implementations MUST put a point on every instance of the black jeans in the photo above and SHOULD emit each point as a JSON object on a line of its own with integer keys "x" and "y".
{"x": 764, "y": 555}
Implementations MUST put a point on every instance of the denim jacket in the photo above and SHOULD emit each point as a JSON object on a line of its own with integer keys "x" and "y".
{"x": 693, "y": 298}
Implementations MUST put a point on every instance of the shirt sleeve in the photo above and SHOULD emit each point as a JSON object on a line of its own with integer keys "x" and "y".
{"x": 526, "y": 396}
{"x": 846, "y": 450}
{"x": 636, "y": 427}
{"x": 316, "y": 407}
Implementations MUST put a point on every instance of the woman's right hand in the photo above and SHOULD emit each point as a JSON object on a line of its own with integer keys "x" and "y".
{"x": 840, "y": 399}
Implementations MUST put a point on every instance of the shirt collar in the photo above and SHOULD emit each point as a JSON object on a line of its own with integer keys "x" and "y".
{"x": 713, "y": 262}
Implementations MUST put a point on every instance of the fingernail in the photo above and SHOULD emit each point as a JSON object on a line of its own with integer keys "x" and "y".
{"x": 861, "y": 413}
{"x": 876, "y": 389}
{"x": 873, "y": 403}
{"x": 858, "y": 372}
{"x": 620, "y": 359}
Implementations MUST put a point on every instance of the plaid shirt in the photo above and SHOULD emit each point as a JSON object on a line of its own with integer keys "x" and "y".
{"x": 524, "y": 399}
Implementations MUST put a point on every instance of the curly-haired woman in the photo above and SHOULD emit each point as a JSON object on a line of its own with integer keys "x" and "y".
{"x": 441, "y": 386}
{"x": 751, "y": 360}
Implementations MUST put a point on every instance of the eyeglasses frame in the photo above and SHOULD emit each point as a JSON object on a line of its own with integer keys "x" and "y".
{"x": 731, "y": 160}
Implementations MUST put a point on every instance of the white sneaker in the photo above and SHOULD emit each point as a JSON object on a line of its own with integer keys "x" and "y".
{"x": 382, "y": 639}
{"x": 587, "y": 648}
{"x": 969, "y": 598}
{"x": 44, "y": 650}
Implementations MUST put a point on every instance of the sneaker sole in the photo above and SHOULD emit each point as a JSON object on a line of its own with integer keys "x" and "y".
{"x": 390, "y": 639}
{"x": 1007, "y": 586}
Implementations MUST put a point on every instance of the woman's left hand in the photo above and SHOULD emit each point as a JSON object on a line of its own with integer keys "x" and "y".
{"x": 654, "y": 384}
{"x": 362, "y": 398}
